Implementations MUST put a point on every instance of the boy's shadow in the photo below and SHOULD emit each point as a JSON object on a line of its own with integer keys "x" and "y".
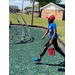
{"x": 62, "y": 64}
{"x": 61, "y": 69}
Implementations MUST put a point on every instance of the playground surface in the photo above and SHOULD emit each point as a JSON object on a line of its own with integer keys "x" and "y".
{"x": 21, "y": 55}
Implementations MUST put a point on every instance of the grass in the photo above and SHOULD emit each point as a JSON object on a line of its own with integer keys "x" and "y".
{"x": 43, "y": 22}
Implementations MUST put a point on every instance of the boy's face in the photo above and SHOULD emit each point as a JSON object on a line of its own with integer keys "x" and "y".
{"x": 50, "y": 21}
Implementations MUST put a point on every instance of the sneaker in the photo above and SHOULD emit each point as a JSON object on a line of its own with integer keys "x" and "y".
{"x": 36, "y": 59}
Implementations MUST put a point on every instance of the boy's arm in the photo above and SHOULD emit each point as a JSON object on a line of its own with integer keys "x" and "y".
{"x": 45, "y": 34}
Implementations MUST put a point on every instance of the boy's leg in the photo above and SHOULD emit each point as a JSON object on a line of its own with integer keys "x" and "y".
{"x": 44, "y": 50}
{"x": 57, "y": 48}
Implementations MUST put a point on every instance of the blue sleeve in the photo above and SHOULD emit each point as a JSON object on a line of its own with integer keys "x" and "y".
{"x": 54, "y": 26}
{"x": 48, "y": 26}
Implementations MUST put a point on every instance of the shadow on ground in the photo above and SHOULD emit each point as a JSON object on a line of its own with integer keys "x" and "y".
{"x": 62, "y": 64}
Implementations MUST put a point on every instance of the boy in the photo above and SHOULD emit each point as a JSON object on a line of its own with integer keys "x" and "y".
{"x": 53, "y": 38}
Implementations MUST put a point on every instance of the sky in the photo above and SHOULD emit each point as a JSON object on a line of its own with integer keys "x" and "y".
{"x": 62, "y": 2}
{"x": 26, "y": 3}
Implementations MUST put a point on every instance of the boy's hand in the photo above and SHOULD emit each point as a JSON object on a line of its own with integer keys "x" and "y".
{"x": 43, "y": 37}
{"x": 45, "y": 34}
{"x": 50, "y": 42}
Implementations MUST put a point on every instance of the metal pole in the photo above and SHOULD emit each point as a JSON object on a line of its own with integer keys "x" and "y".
{"x": 32, "y": 13}
{"x": 22, "y": 5}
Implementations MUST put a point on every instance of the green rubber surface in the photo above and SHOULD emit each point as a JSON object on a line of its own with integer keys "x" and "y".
{"x": 21, "y": 55}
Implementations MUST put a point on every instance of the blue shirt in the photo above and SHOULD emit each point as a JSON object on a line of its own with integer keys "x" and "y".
{"x": 51, "y": 28}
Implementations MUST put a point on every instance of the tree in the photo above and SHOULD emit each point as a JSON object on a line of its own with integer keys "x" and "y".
{"x": 58, "y": 1}
{"x": 37, "y": 5}
{"x": 44, "y": 2}
{"x": 28, "y": 7}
